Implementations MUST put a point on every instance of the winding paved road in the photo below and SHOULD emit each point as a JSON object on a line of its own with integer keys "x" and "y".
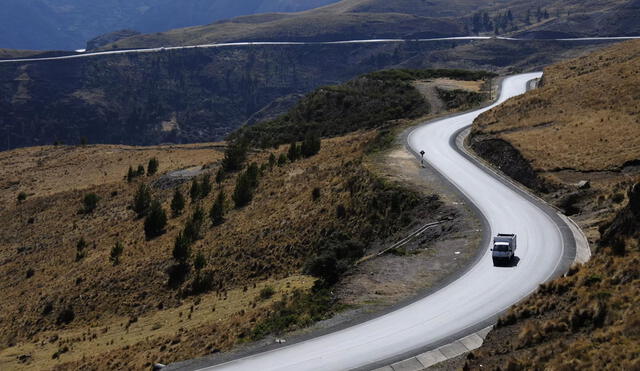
{"x": 273, "y": 43}
{"x": 545, "y": 248}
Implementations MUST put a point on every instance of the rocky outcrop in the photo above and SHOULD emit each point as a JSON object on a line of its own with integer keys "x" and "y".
{"x": 509, "y": 160}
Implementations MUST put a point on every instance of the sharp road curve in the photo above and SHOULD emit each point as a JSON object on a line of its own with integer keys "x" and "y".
{"x": 476, "y": 297}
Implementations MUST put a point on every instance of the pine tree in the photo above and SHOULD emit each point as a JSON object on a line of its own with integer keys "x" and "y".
{"x": 90, "y": 202}
{"x": 182, "y": 248}
{"x": 217, "y": 209}
{"x": 311, "y": 145}
{"x": 253, "y": 173}
{"x": 199, "y": 262}
{"x": 142, "y": 200}
{"x": 272, "y": 160}
{"x": 152, "y": 167}
{"x": 205, "y": 186}
{"x": 282, "y": 159}
{"x": 177, "y": 203}
{"x": 193, "y": 228}
{"x": 220, "y": 176}
{"x": 130, "y": 175}
{"x": 155, "y": 222}
{"x": 195, "y": 190}
{"x": 235, "y": 155}
{"x": 292, "y": 154}
{"x": 140, "y": 171}
{"x": 243, "y": 193}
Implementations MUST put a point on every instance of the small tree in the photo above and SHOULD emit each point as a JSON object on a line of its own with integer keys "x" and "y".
{"x": 90, "y": 202}
{"x": 194, "y": 192}
{"x": 272, "y": 160}
{"x": 217, "y": 209}
{"x": 253, "y": 173}
{"x": 205, "y": 186}
{"x": 199, "y": 262}
{"x": 142, "y": 200}
{"x": 83, "y": 141}
{"x": 193, "y": 228}
{"x": 310, "y": 145}
{"x": 156, "y": 221}
{"x": 177, "y": 203}
{"x": 181, "y": 248}
{"x": 152, "y": 167}
{"x": 22, "y": 196}
{"x": 140, "y": 171}
{"x": 293, "y": 153}
{"x": 282, "y": 159}
{"x": 130, "y": 174}
{"x": 341, "y": 211}
{"x": 220, "y": 175}
{"x": 243, "y": 193}
{"x": 235, "y": 155}
{"x": 116, "y": 252}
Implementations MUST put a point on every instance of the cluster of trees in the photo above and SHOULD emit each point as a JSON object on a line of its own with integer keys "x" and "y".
{"x": 152, "y": 169}
{"x": 188, "y": 236}
{"x": 310, "y": 146}
{"x": 246, "y": 185}
{"x": 505, "y": 21}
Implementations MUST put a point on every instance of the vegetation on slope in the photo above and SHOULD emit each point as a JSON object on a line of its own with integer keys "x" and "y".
{"x": 578, "y": 135}
{"x": 364, "y": 103}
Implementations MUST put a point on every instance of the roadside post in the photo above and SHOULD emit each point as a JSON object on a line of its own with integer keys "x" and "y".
{"x": 422, "y": 158}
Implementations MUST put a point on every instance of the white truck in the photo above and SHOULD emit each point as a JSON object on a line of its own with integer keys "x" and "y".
{"x": 504, "y": 248}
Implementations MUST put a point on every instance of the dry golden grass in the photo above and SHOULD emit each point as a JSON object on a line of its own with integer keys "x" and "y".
{"x": 265, "y": 242}
{"x": 585, "y": 117}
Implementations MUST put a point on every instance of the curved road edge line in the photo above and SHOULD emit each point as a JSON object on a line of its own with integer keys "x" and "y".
{"x": 576, "y": 249}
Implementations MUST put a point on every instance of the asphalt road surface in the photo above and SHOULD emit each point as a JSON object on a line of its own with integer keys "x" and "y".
{"x": 273, "y": 43}
{"x": 472, "y": 300}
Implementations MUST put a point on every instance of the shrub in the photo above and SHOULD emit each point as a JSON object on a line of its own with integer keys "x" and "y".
{"x": 199, "y": 262}
{"x": 217, "y": 209}
{"x": 140, "y": 171}
{"x": 152, "y": 167}
{"x": 267, "y": 292}
{"x": 315, "y": 194}
{"x": 156, "y": 221}
{"x": 142, "y": 200}
{"x": 177, "y": 203}
{"x": 203, "y": 282}
{"x": 341, "y": 212}
{"x": 272, "y": 160}
{"x": 30, "y": 272}
{"x": 282, "y": 159}
{"x": 22, "y": 196}
{"x": 66, "y": 316}
{"x": 116, "y": 252}
{"x": 90, "y": 202}
{"x": 80, "y": 249}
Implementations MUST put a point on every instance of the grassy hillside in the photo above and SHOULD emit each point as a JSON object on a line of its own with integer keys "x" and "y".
{"x": 353, "y": 19}
{"x": 86, "y": 285}
{"x": 581, "y": 125}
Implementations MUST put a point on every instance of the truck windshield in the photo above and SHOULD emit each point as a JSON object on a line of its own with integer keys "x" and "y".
{"x": 501, "y": 248}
